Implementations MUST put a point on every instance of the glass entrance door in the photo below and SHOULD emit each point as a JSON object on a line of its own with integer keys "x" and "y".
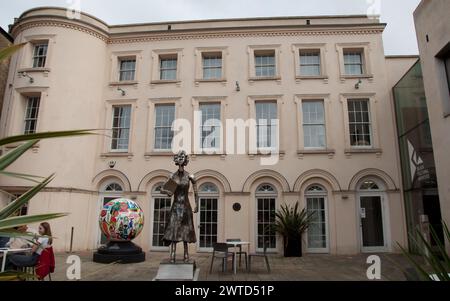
{"x": 208, "y": 223}
{"x": 317, "y": 231}
{"x": 372, "y": 223}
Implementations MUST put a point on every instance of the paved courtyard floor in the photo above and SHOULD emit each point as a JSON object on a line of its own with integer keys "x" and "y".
{"x": 307, "y": 268}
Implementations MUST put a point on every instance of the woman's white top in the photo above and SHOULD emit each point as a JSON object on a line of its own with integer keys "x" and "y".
{"x": 43, "y": 243}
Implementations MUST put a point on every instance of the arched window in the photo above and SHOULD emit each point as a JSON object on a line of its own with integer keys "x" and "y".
{"x": 266, "y": 189}
{"x": 209, "y": 210}
{"x": 369, "y": 184}
{"x": 209, "y": 188}
{"x": 161, "y": 210}
{"x": 266, "y": 196}
{"x": 316, "y": 204}
{"x": 113, "y": 187}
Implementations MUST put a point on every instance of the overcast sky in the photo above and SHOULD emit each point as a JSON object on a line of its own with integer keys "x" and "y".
{"x": 399, "y": 37}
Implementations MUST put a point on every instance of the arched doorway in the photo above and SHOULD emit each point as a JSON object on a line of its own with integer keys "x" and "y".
{"x": 316, "y": 203}
{"x": 160, "y": 206}
{"x": 266, "y": 200}
{"x": 109, "y": 191}
{"x": 208, "y": 212}
{"x": 373, "y": 215}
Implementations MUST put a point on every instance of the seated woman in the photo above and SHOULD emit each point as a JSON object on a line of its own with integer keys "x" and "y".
{"x": 20, "y": 260}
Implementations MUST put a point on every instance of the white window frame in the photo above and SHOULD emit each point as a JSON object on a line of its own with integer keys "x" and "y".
{"x": 365, "y": 50}
{"x": 268, "y": 195}
{"x": 199, "y": 54}
{"x": 122, "y": 71}
{"x": 196, "y": 134}
{"x": 324, "y": 195}
{"x": 304, "y": 124}
{"x": 107, "y": 142}
{"x": 150, "y": 128}
{"x": 252, "y": 61}
{"x": 120, "y": 150}
{"x": 309, "y": 47}
{"x": 301, "y": 149}
{"x": 116, "y": 58}
{"x": 155, "y": 127}
{"x": 373, "y": 106}
{"x": 369, "y": 123}
{"x": 159, "y": 54}
{"x": 37, "y": 57}
{"x": 28, "y": 118}
{"x": 208, "y": 195}
{"x": 253, "y": 134}
{"x": 156, "y": 195}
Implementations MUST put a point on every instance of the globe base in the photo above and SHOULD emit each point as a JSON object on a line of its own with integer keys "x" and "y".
{"x": 120, "y": 252}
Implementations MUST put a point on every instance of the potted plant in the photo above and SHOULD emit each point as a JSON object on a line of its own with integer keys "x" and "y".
{"x": 290, "y": 222}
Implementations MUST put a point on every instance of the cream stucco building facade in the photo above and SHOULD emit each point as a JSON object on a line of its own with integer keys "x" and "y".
{"x": 326, "y": 79}
{"x": 433, "y": 35}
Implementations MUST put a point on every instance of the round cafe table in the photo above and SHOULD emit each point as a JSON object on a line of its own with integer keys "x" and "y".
{"x": 236, "y": 244}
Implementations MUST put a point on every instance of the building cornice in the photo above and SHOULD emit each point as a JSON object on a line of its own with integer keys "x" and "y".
{"x": 136, "y": 33}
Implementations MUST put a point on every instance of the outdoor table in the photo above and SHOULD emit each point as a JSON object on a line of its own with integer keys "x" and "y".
{"x": 5, "y": 252}
{"x": 235, "y": 244}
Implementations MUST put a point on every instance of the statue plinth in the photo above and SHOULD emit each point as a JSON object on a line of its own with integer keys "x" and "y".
{"x": 120, "y": 252}
{"x": 177, "y": 271}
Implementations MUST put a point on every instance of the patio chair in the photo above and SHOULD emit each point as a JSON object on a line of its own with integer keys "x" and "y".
{"x": 264, "y": 255}
{"x": 240, "y": 252}
{"x": 220, "y": 250}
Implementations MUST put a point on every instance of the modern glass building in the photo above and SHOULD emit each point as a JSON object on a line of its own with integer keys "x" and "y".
{"x": 416, "y": 152}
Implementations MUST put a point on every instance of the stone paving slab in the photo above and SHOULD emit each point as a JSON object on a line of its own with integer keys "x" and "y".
{"x": 307, "y": 268}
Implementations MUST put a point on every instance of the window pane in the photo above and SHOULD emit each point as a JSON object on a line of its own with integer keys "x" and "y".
{"x": 164, "y": 117}
{"x": 359, "y": 122}
{"x": 31, "y": 114}
{"x": 265, "y": 65}
{"x": 313, "y": 124}
{"x": 168, "y": 69}
{"x": 210, "y": 126}
{"x": 212, "y": 66}
{"x": 266, "y": 127}
{"x": 353, "y": 63}
{"x": 39, "y": 55}
{"x": 310, "y": 63}
{"x": 266, "y": 211}
{"x": 121, "y": 127}
{"x": 127, "y": 70}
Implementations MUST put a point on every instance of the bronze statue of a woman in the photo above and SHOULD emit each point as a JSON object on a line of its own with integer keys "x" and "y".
{"x": 180, "y": 226}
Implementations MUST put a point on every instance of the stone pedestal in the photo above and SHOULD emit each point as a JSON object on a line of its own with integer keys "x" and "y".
{"x": 178, "y": 271}
{"x": 120, "y": 252}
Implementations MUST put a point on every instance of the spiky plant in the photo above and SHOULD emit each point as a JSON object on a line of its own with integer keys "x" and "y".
{"x": 437, "y": 259}
{"x": 291, "y": 222}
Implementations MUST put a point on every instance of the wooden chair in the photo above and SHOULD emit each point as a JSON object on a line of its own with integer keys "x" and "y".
{"x": 240, "y": 252}
{"x": 264, "y": 255}
{"x": 220, "y": 250}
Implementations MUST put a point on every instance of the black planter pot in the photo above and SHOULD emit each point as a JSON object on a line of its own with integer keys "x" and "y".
{"x": 293, "y": 247}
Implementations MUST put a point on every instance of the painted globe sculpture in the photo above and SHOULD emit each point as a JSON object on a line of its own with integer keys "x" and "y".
{"x": 121, "y": 220}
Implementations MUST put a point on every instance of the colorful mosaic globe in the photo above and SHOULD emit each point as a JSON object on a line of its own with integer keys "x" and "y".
{"x": 121, "y": 220}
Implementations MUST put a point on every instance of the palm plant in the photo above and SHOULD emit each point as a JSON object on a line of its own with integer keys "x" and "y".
{"x": 7, "y": 219}
{"x": 437, "y": 259}
{"x": 291, "y": 223}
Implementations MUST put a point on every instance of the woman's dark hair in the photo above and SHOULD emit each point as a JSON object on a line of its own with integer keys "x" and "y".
{"x": 47, "y": 231}
{"x": 179, "y": 154}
